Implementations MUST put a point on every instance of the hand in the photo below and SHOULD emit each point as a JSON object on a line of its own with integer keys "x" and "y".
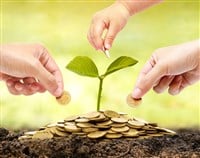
{"x": 112, "y": 19}
{"x": 28, "y": 68}
{"x": 175, "y": 67}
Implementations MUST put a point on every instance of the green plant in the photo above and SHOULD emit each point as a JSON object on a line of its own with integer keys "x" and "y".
{"x": 84, "y": 66}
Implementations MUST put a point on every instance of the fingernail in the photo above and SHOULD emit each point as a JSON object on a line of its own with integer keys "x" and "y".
{"x": 137, "y": 93}
{"x": 107, "y": 46}
{"x": 58, "y": 92}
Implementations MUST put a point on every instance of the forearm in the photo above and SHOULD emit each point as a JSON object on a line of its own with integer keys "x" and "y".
{"x": 134, "y": 6}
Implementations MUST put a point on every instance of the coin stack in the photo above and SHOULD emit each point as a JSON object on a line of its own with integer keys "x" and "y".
{"x": 102, "y": 124}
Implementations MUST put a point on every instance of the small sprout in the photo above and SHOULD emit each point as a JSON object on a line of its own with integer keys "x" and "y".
{"x": 133, "y": 102}
{"x": 84, "y": 66}
{"x": 64, "y": 99}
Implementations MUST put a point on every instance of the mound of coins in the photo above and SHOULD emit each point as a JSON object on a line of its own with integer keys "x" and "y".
{"x": 103, "y": 124}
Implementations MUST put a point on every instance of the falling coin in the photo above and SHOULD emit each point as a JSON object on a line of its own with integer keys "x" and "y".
{"x": 64, "y": 99}
{"x": 133, "y": 102}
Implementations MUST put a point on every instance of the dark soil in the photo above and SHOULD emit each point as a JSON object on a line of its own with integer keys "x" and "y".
{"x": 185, "y": 144}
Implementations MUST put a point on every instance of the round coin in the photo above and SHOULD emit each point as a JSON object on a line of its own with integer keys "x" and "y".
{"x": 97, "y": 134}
{"x": 110, "y": 113}
{"x": 64, "y": 99}
{"x": 119, "y": 120}
{"x": 133, "y": 102}
{"x": 113, "y": 135}
{"x": 120, "y": 129}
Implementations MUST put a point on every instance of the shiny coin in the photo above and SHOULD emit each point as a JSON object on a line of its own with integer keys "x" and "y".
{"x": 72, "y": 128}
{"x": 42, "y": 135}
{"x": 106, "y": 123}
{"x": 131, "y": 133}
{"x": 82, "y": 120}
{"x": 136, "y": 124}
{"x": 132, "y": 101}
{"x": 89, "y": 129}
{"x": 110, "y": 113}
{"x": 64, "y": 99}
{"x": 91, "y": 115}
{"x": 97, "y": 134}
{"x": 84, "y": 125}
{"x": 120, "y": 129}
{"x": 30, "y": 133}
{"x": 71, "y": 118}
{"x": 113, "y": 135}
{"x": 118, "y": 125}
{"x": 119, "y": 119}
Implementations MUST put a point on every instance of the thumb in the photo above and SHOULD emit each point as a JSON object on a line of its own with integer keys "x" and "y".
{"x": 46, "y": 78}
{"x": 110, "y": 35}
{"x": 148, "y": 81}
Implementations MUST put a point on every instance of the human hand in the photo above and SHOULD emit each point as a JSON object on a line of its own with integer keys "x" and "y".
{"x": 173, "y": 67}
{"x": 112, "y": 19}
{"x": 28, "y": 69}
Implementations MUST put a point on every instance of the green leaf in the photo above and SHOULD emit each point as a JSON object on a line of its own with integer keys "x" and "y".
{"x": 84, "y": 66}
{"x": 120, "y": 63}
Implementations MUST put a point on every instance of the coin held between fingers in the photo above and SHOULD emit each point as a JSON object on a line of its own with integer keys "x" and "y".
{"x": 64, "y": 99}
{"x": 133, "y": 102}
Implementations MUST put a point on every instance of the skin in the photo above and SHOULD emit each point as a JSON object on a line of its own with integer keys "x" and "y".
{"x": 112, "y": 20}
{"x": 173, "y": 67}
{"x": 28, "y": 69}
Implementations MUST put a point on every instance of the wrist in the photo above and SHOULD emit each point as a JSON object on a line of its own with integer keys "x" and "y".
{"x": 135, "y": 6}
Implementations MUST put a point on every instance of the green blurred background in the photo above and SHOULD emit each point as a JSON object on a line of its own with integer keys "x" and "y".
{"x": 62, "y": 27}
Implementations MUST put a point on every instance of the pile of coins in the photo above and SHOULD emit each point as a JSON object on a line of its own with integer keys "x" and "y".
{"x": 102, "y": 124}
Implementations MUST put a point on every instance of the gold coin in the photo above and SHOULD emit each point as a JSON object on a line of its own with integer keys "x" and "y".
{"x": 64, "y": 99}
{"x": 97, "y": 134}
{"x": 71, "y": 118}
{"x": 105, "y": 123}
{"x": 120, "y": 129}
{"x": 61, "y": 134}
{"x": 30, "y": 133}
{"x": 102, "y": 127}
{"x": 110, "y": 113}
{"x": 82, "y": 120}
{"x": 131, "y": 133}
{"x": 89, "y": 129}
{"x": 42, "y": 135}
{"x": 72, "y": 128}
{"x": 133, "y": 102}
{"x": 84, "y": 125}
{"x": 25, "y": 137}
{"x": 99, "y": 119}
{"x": 118, "y": 125}
{"x": 113, "y": 135}
{"x": 119, "y": 119}
{"x": 135, "y": 124}
{"x": 91, "y": 115}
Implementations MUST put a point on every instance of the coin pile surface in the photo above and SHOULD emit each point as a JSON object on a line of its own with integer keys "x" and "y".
{"x": 102, "y": 124}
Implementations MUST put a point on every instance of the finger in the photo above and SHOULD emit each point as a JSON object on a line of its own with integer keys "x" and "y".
{"x": 49, "y": 74}
{"x": 175, "y": 85}
{"x": 163, "y": 84}
{"x": 11, "y": 87}
{"x": 113, "y": 29}
{"x": 96, "y": 33}
{"x": 147, "y": 82}
{"x": 29, "y": 80}
{"x": 37, "y": 87}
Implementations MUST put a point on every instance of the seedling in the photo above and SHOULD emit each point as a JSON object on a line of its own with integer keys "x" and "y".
{"x": 84, "y": 66}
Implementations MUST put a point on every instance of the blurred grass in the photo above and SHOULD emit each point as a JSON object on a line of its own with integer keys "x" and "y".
{"x": 62, "y": 27}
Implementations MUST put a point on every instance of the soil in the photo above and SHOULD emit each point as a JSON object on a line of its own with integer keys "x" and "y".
{"x": 185, "y": 144}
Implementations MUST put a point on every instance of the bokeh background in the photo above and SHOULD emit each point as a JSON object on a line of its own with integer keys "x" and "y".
{"x": 62, "y": 27}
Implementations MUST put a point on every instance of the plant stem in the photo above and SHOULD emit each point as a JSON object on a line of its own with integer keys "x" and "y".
{"x": 99, "y": 93}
